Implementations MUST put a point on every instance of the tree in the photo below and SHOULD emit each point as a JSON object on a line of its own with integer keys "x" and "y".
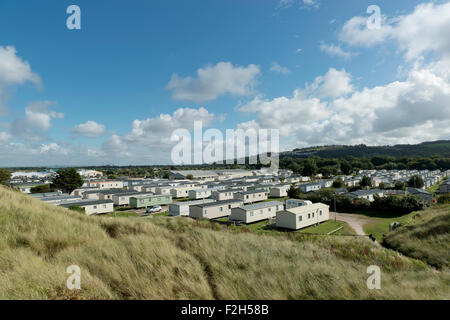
{"x": 310, "y": 168}
{"x": 165, "y": 174}
{"x": 338, "y": 183}
{"x": 41, "y": 189}
{"x": 5, "y": 175}
{"x": 415, "y": 182}
{"x": 293, "y": 192}
{"x": 382, "y": 185}
{"x": 365, "y": 182}
{"x": 346, "y": 167}
{"x": 190, "y": 177}
{"x": 67, "y": 180}
{"x": 399, "y": 185}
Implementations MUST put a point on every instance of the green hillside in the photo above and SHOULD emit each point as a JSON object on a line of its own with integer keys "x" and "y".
{"x": 428, "y": 240}
{"x": 425, "y": 149}
{"x": 179, "y": 258}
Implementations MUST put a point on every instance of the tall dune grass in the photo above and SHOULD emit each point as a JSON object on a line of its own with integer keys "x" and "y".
{"x": 178, "y": 258}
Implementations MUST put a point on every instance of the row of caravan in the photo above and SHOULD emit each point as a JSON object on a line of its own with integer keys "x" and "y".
{"x": 294, "y": 214}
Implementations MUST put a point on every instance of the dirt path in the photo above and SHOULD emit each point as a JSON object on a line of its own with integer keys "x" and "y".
{"x": 356, "y": 222}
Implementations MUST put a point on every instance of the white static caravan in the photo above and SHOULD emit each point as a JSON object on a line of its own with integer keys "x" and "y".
{"x": 294, "y": 203}
{"x": 91, "y": 195}
{"x": 93, "y": 207}
{"x": 181, "y": 192}
{"x": 214, "y": 210}
{"x": 221, "y": 195}
{"x": 251, "y": 196}
{"x": 165, "y": 190}
{"x": 123, "y": 199}
{"x": 302, "y": 217}
{"x": 183, "y": 208}
{"x": 62, "y": 198}
{"x": 279, "y": 191}
{"x": 256, "y": 212}
{"x": 200, "y": 193}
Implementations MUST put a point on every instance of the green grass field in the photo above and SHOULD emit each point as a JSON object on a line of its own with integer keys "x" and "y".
{"x": 180, "y": 258}
{"x": 434, "y": 188}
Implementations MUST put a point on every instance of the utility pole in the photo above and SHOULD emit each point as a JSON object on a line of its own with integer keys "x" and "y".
{"x": 335, "y": 212}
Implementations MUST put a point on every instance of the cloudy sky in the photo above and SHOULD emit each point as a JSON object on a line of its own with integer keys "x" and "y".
{"x": 320, "y": 71}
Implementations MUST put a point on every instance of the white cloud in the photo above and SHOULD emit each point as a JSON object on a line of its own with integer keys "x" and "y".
{"x": 355, "y": 32}
{"x": 284, "y": 4}
{"x": 284, "y": 113}
{"x": 13, "y": 71}
{"x": 409, "y": 111}
{"x": 334, "y": 50}
{"x": 277, "y": 68}
{"x": 299, "y": 50}
{"x": 53, "y": 148}
{"x": 333, "y": 84}
{"x": 419, "y": 32}
{"x": 153, "y": 135}
{"x": 37, "y": 120}
{"x": 90, "y": 129}
{"x": 214, "y": 81}
{"x": 4, "y": 137}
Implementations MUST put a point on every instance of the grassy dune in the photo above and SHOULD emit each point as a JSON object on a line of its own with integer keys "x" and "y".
{"x": 428, "y": 240}
{"x": 178, "y": 258}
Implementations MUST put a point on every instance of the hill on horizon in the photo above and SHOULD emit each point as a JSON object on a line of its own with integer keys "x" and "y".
{"x": 425, "y": 149}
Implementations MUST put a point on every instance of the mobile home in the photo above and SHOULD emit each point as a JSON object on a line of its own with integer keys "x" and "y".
{"x": 251, "y": 196}
{"x": 214, "y": 210}
{"x": 92, "y": 207}
{"x": 294, "y": 203}
{"x": 302, "y": 217}
{"x": 200, "y": 193}
{"x": 144, "y": 201}
{"x": 256, "y": 212}
{"x": 279, "y": 191}
{"x": 183, "y": 208}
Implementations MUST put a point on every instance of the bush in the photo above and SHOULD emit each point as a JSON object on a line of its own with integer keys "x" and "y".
{"x": 77, "y": 209}
{"x": 444, "y": 199}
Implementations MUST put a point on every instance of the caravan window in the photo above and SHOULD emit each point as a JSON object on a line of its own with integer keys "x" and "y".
{"x": 300, "y": 218}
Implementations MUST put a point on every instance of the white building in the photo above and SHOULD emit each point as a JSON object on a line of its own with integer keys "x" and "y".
{"x": 279, "y": 191}
{"x": 294, "y": 203}
{"x": 200, "y": 193}
{"x": 221, "y": 195}
{"x": 213, "y": 210}
{"x": 183, "y": 208}
{"x": 92, "y": 207}
{"x": 302, "y": 217}
{"x": 256, "y": 212}
{"x": 310, "y": 187}
{"x": 251, "y": 196}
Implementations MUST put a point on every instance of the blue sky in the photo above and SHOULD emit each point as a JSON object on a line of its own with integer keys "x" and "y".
{"x": 308, "y": 68}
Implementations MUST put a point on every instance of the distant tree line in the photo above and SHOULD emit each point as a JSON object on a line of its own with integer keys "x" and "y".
{"x": 398, "y": 204}
{"x": 332, "y": 166}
